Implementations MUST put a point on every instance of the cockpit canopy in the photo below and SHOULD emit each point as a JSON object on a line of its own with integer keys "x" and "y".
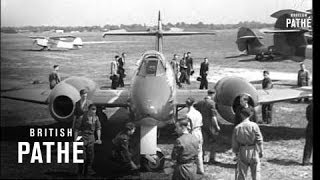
{"x": 152, "y": 65}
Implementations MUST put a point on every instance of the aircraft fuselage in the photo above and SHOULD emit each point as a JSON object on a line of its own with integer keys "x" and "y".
{"x": 153, "y": 90}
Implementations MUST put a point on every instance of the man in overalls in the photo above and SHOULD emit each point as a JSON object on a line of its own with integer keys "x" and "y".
{"x": 121, "y": 153}
{"x": 81, "y": 106}
{"x": 86, "y": 127}
{"x": 247, "y": 144}
{"x": 194, "y": 127}
{"x": 185, "y": 152}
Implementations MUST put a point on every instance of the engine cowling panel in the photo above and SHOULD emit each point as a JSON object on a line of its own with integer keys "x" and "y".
{"x": 228, "y": 90}
{"x": 64, "y": 96}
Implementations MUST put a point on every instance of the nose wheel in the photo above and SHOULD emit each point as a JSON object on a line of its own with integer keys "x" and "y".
{"x": 151, "y": 163}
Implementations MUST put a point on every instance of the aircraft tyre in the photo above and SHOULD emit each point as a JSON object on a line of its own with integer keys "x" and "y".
{"x": 148, "y": 166}
{"x": 259, "y": 57}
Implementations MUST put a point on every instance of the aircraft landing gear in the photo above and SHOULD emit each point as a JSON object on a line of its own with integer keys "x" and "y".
{"x": 259, "y": 57}
{"x": 152, "y": 163}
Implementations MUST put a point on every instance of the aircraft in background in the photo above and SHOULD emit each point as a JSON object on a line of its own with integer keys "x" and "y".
{"x": 64, "y": 42}
{"x": 289, "y": 42}
{"x": 153, "y": 99}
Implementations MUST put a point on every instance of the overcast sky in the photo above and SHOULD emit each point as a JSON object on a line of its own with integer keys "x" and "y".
{"x": 101, "y": 12}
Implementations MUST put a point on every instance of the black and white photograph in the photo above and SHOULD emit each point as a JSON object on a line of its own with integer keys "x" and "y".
{"x": 157, "y": 89}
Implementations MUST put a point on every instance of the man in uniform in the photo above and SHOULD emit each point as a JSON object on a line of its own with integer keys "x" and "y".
{"x": 195, "y": 129}
{"x": 204, "y": 69}
{"x": 247, "y": 145}
{"x": 114, "y": 70}
{"x": 183, "y": 70}
{"x": 309, "y": 136}
{"x": 86, "y": 127}
{"x": 241, "y": 104}
{"x": 175, "y": 66}
{"x": 121, "y": 154}
{"x": 210, "y": 128}
{"x": 121, "y": 62}
{"x": 266, "y": 108}
{"x": 189, "y": 64}
{"x": 54, "y": 77}
{"x": 81, "y": 106}
{"x": 185, "y": 152}
{"x": 303, "y": 77}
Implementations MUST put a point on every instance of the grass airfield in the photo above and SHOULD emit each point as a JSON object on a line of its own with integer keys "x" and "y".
{"x": 22, "y": 64}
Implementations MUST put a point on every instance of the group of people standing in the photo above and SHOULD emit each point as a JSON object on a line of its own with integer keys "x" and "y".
{"x": 198, "y": 132}
{"x": 184, "y": 67}
{"x": 118, "y": 71}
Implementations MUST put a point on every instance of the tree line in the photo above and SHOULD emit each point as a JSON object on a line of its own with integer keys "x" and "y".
{"x": 200, "y": 26}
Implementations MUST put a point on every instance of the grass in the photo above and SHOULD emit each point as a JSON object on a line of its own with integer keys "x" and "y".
{"x": 21, "y": 65}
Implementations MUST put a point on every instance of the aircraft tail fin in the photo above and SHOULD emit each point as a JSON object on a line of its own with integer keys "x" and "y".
{"x": 77, "y": 42}
{"x": 159, "y": 33}
{"x": 246, "y": 37}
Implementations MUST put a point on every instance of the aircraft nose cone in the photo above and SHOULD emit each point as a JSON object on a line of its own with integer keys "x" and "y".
{"x": 150, "y": 96}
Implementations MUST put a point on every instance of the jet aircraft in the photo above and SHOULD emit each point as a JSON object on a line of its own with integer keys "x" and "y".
{"x": 153, "y": 99}
{"x": 289, "y": 41}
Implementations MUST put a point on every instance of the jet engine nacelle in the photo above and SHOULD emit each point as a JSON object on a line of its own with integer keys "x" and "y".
{"x": 228, "y": 91}
{"x": 64, "y": 96}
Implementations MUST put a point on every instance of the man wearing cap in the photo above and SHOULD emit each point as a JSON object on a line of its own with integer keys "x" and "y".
{"x": 242, "y": 102}
{"x": 54, "y": 77}
{"x": 266, "y": 108}
{"x": 309, "y": 136}
{"x": 210, "y": 128}
{"x": 86, "y": 127}
{"x": 81, "y": 106}
{"x": 303, "y": 77}
{"x": 121, "y": 154}
{"x": 247, "y": 145}
{"x": 194, "y": 127}
{"x": 185, "y": 152}
{"x": 204, "y": 69}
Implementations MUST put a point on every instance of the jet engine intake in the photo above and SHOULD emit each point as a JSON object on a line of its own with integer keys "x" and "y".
{"x": 64, "y": 96}
{"x": 228, "y": 91}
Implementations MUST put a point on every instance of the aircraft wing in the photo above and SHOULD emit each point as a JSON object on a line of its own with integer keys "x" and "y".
{"x": 249, "y": 37}
{"x": 152, "y": 33}
{"x": 60, "y": 37}
{"x": 183, "y": 94}
{"x": 38, "y": 96}
{"x": 111, "y": 98}
{"x": 129, "y": 33}
{"x": 186, "y": 33}
{"x": 283, "y": 30}
{"x": 37, "y": 37}
{"x": 278, "y": 95}
{"x": 106, "y": 98}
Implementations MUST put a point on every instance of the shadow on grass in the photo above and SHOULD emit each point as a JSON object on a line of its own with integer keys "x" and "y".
{"x": 103, "y": 165}
{"x": 283, "y": 162}
{"x": 61, "y": 174}
{"x": 224, "y": 165}
{"x": 41, "y": 50}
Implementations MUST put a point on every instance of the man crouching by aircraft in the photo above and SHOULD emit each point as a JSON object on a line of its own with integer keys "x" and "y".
{"x": 121, "y": 154}
{"x": 185, "y": 152}
{"x": 88, "y": 125}
{"x": 247, "y": 144}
